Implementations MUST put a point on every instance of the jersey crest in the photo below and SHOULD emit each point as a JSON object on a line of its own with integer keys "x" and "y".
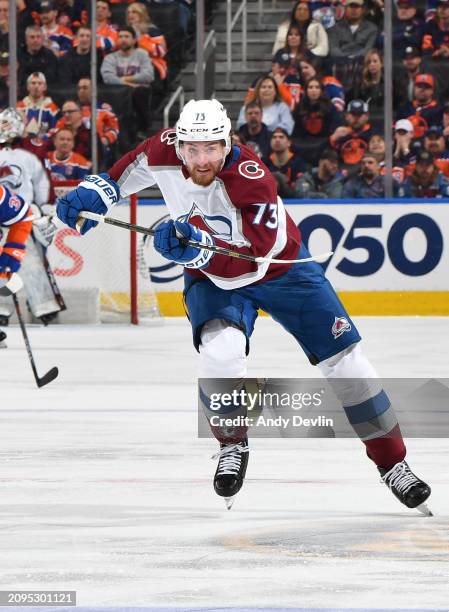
{"x": 11, "y": 176}
{"x": 217, "y": 226}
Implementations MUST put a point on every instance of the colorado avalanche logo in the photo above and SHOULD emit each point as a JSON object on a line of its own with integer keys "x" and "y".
{"x": 216, "y": 225}
{"x": 169, "y": 136}
{"x": 251, "y": 169}
{"x": 11, "y": 176}
{"x": 340, "y": 326}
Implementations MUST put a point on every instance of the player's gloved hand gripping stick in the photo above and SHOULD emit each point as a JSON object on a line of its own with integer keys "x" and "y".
{"x": 86, "y": 206}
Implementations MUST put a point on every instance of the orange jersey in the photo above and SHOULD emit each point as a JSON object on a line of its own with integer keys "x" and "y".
{"x": 107, "y": 122}
{"x": 154, "y": 43}
{"x": 75, "y": 167}
{"x": 107, "y": 38}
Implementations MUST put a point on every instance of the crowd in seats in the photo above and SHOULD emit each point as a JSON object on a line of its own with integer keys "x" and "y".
{"x": 139, "y": 49}
{"x": 316, "y": 117}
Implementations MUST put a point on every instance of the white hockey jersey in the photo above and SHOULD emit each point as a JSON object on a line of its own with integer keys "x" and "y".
{"x": 23, "y": 173}
{"x": 240, "y": 209}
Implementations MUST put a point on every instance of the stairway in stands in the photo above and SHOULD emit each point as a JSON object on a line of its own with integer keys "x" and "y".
{"x": 260, "y": 42}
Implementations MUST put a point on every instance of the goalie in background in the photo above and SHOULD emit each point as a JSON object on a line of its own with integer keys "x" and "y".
{"x": 15, "y": 218}
{"x": 22, "y": 173}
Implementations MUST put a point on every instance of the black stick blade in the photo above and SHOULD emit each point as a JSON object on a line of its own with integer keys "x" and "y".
{"x": 47, "y": 378}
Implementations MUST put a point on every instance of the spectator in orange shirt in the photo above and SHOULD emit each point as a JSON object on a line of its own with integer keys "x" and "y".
{"x": 65, "y": 164}
{"x": 107, "y": 122}
{"x": 149, "y": 37}
{"x": 58, "y": 38}
{"x": 107, "y": 36}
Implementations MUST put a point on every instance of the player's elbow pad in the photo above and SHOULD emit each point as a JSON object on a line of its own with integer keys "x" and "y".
{"x": 104, "y": 186}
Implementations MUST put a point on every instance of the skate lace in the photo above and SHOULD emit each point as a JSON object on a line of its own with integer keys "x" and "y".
{"x": 400, "y": 477}
{"x": 230, "y": 458}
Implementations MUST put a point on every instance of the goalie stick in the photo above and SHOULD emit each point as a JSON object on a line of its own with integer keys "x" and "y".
{"x": 216, "y": 249}
{"x": 51, "y": 374}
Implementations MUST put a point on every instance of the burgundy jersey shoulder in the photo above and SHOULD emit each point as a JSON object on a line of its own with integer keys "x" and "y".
{"x": 246, "y": 178}
{"x": 160, "y": 149}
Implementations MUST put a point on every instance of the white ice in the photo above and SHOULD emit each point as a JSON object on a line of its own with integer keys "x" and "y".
{"x": 106, "y": 490}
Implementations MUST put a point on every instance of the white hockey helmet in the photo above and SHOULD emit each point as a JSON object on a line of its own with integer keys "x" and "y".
{"x": 11, "y": 125}
{"x": 201, "y": 121}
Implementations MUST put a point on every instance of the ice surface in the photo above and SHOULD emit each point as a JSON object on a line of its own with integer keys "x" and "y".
{"x": 106, "y": 490}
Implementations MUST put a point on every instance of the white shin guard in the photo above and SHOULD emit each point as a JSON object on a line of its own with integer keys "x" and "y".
{"x": 222, "y": 351}
{"x": 351, "y": 375}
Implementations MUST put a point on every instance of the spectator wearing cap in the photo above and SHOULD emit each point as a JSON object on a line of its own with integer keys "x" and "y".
{"x": 133, "y": 68}
{"x": 65, "y": 164}
{"x": 58, "y": 38}
{"x": 403, "y": 137}
{"x": 285, "y": 165}
{"x": 106, "y": 33}
{"x": 408, "y": 28}
{"x": 315, "y": 120}
{"x": 76, "y": 63}
{"x": 35, "y": 57}
{"x": 351, "y": 140}
{"x": 276, "y": 113}
{"x": 351, "y": 38}
{"x": 312, "y": 32}
{"x": 424, "y": 110}
{"x": 426, "y": 180}
{"x": 404, "y": 77}
{"x": 254, "y": 133}
{"x": 325, "y": 181}
{"x": 436, "y": 35}
{"x": 38, "y": 110}
{"x": 435, "y": 143}
{"x": 369, "y": 183}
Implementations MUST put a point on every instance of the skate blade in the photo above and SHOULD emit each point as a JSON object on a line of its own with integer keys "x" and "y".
{"x": 424, "y": 509}
{"x": 229, "y": 502}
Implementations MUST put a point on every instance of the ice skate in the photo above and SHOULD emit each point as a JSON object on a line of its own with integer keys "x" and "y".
{"x": 407, "y": 487}
{"x": 2, "y": 339}
{"x": 231, "y": 470}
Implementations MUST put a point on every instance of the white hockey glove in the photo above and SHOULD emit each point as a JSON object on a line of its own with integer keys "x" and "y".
{"x": 44, "y": 229}
{"x": 10, "y": 283}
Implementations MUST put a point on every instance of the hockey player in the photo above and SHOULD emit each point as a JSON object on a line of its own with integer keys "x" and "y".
{"x": 23, "y": 174}
{"x": 15, "y": 218}
{"x": 224, "y": 195}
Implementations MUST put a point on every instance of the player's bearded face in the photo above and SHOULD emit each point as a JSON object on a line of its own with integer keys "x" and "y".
{"x": 203, "y": 160}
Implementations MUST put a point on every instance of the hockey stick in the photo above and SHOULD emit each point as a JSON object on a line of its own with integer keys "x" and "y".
{"x": 216, "y": 249}
{"x": 51, "y": 374}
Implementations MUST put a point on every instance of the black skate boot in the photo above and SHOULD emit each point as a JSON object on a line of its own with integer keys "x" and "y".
{"x": 409, "y": 489}
{"x": 2, "y": 339}
{"x": 231, "y": 470}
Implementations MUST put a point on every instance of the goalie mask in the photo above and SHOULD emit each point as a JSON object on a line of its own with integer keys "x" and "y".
{"x": 203, "y": 121}
{"x": 11, "y": 125}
